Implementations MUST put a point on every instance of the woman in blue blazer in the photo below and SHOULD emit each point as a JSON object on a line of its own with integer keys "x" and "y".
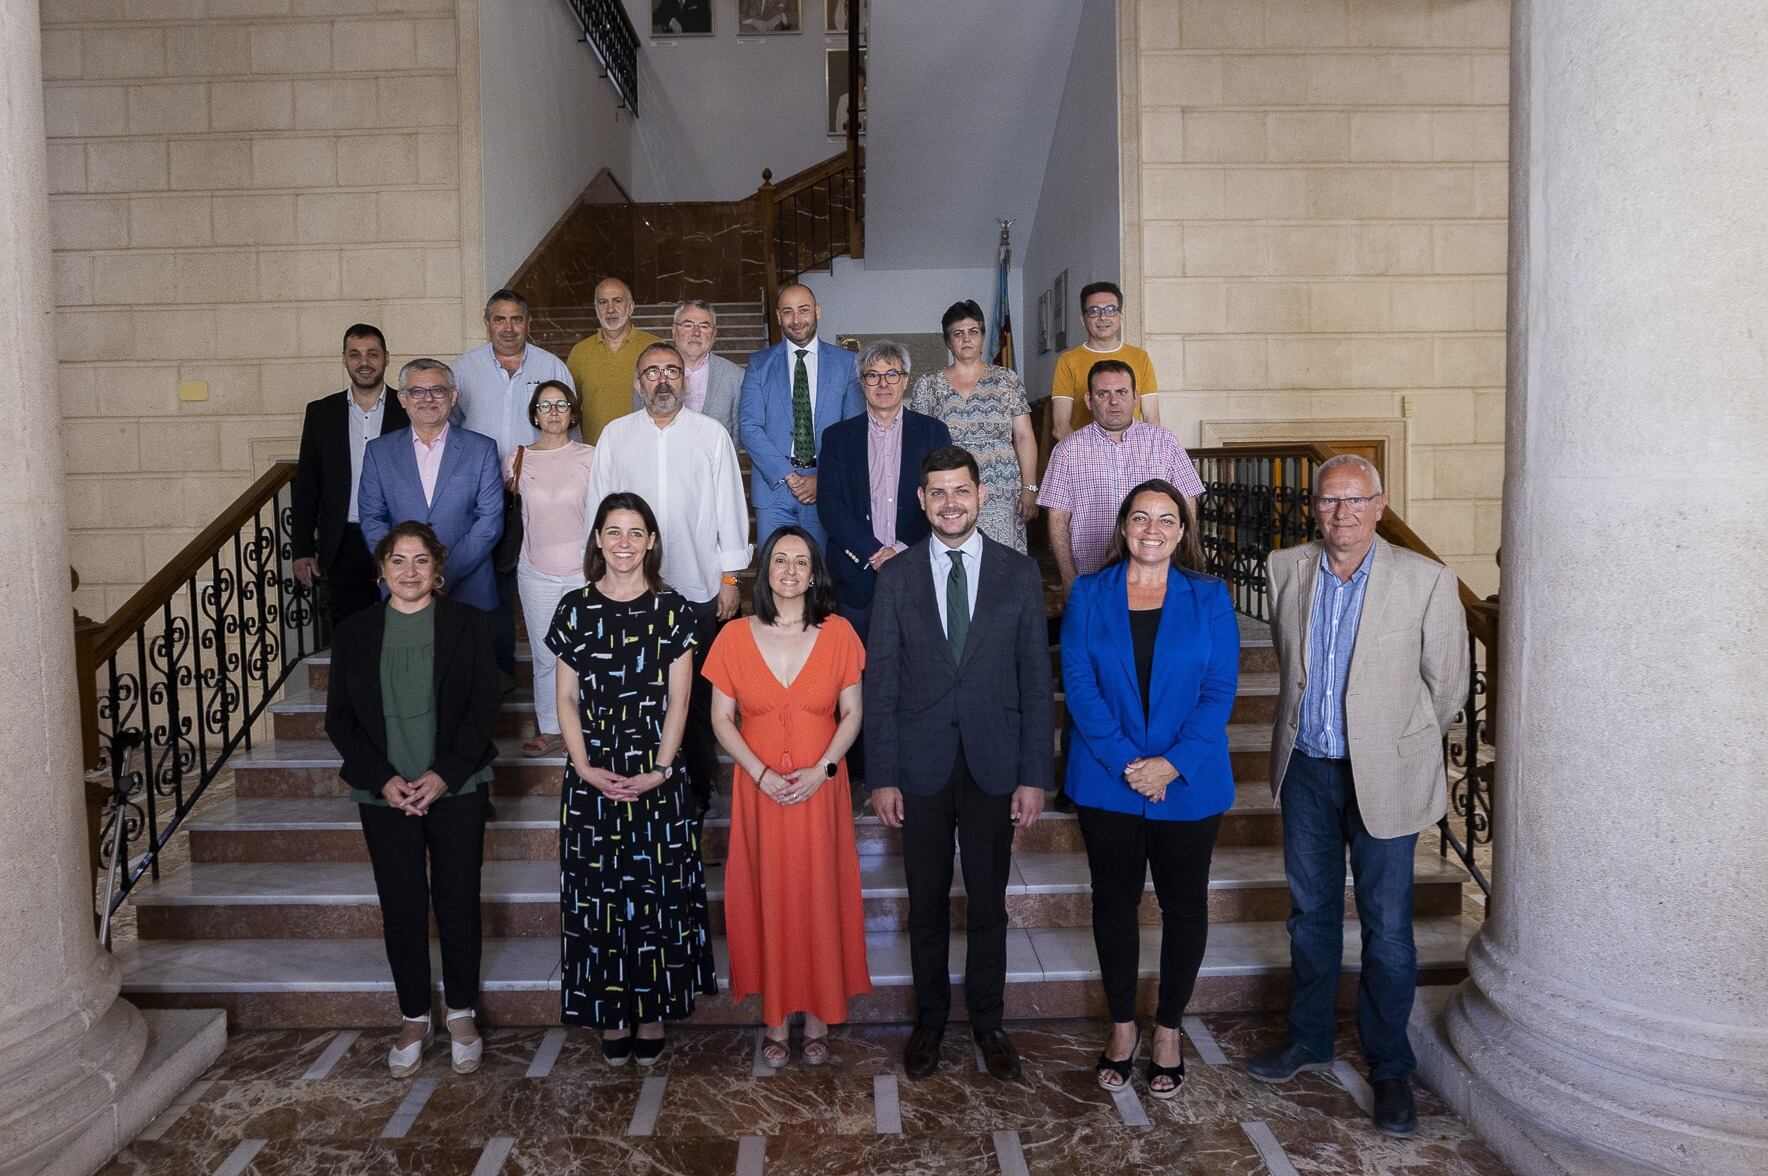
{"x": 1150, "y": 664}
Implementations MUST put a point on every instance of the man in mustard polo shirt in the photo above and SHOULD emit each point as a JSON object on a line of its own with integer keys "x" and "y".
{"x": 1101, "y": 310}
{"x": 602, "y": 365}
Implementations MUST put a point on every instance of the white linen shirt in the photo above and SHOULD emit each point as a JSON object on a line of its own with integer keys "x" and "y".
{"x": 942, "y": 568}
{"x": 495, "y": 403}
{"x": 687, "y": 472}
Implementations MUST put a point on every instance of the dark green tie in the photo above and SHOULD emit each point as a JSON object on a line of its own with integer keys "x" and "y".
{"x": 803, "y": 431}
{"x": 957, "y": 606}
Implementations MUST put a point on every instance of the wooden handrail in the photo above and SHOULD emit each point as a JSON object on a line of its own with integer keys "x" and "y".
{"x": 768, "y": 198}
{"x": 805, "y": 179}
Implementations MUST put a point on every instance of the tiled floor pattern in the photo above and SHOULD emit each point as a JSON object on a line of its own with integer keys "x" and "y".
{"x": 316, "y": 1103}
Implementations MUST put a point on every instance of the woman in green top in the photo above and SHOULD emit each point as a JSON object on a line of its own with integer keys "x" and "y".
{"x": 413, "y": 696}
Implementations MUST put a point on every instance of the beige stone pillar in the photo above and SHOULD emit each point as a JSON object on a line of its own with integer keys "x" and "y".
{"x": 80, "y": 1070}
{"x": 1616, "y": 1014}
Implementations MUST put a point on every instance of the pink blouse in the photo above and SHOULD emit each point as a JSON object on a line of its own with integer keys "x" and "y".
{"x": 555, "y": 512}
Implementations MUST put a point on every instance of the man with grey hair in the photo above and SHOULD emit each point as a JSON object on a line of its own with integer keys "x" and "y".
{"x": 441, "y": 474}
{"x": 1371, "y": 646}
{"x": 711, "y": 384}
{"x": 871, "y": 470}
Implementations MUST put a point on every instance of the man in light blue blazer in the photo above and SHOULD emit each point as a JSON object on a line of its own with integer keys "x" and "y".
{"x": 791, "y": 393}
{"x": 441, "y": 474}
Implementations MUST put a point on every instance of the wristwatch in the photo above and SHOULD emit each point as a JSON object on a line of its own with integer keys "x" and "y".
{"x": 830, "y": 768}
{"x": 668, "y": 772}
{"x": 1032, "y": 488}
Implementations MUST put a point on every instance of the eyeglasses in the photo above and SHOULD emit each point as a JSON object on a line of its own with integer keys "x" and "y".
{"x": 696, "y": 328}
{"x": 887, "y": 376}
{"x": 429, "y": 393}
{"x": 1109, "y": 310}
{"x": 1353, "y": 503}
{"x": 655, "y": 372}
{"x": 552, "y": 406}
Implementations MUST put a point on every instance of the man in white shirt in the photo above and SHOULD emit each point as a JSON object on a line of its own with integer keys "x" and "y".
{"x": 497, "y": 380}
{"x": 684, "y": 465}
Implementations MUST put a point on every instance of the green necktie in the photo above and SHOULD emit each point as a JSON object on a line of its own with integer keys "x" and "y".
{"x": 803, "y": 432}
{"x": 957, "y": 606}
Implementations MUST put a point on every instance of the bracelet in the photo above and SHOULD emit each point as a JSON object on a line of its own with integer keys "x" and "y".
{"x": 728, "y": 579}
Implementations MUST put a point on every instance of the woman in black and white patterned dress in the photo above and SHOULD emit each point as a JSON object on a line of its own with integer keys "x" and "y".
{"x": 632, "y": 887}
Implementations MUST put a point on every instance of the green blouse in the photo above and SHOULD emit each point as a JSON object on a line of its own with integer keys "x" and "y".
{"x": 408, "y": 699}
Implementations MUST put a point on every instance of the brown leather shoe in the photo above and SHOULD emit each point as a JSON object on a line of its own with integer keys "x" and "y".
{"x": 920, "y": 1057}
{"x": 999, "y": 1055}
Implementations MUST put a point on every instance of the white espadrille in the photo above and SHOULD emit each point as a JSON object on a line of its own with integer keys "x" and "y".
{"x": 466, "y": 1057}
{"x": 405, "y": 1062}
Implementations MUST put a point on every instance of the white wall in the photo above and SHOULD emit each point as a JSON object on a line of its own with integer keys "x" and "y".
{"x": 858, "y": 300}
{"x": 1076, "y": 227}
{"x": 551, "y": 123}
{"x": 715, "y": 110}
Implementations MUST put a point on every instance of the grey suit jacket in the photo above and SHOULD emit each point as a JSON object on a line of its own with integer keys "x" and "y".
{"x": 1407, "y": 679}
{"x": 724, "y": 391}
{"x": 921, "y": 707}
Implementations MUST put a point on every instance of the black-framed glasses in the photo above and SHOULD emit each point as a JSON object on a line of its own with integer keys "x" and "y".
{"x": 887, "y": 376}
{"x": 1109, "y": 310}
{"x": 660, "y": 371}
{"x": 552, "y": 406}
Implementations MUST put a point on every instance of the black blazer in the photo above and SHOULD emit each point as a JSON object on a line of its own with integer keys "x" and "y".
{"x": 844, "y": 497}
{"x": 469, "y": 692}
{"x": 997, "y": 705}
{"x": 322, "y": 479}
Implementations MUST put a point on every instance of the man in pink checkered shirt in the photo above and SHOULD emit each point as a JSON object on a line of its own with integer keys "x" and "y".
{"x": 1092, "y": 469}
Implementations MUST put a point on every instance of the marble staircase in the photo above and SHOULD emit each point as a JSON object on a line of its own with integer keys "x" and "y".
{"x": 742, "y": 329}
{"x": 275, "y": 917}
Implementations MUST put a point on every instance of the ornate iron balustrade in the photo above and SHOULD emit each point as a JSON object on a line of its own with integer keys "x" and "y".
{"x": 1255, "y": 501}
{"x": 172, "y": 684}
{"x": 609, "y": 33}
{"x": 808, "y": 220}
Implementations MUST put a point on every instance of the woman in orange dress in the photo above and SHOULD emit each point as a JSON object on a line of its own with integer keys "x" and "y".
{"x": 791, "y": 893}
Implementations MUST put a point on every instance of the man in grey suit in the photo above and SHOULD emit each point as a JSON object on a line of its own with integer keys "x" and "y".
{"x": 711, "y": 384}
{"x": 1372, "y": 655}
{"x": 958, "y": 713}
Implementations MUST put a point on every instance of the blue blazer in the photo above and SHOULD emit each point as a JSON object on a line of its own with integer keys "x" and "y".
{"x": 467, "y": 514}
{"x": 1196, "y": 674}
{"x": 764, "y": 414}
{"x": 844, "y": 498}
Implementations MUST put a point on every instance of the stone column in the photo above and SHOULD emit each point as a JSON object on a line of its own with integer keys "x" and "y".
{"x": 1616, "y": 1014}
{"x": 80, "y": 1070}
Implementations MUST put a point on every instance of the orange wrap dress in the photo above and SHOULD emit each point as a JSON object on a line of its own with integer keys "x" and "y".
{"x": 792, "y": 909}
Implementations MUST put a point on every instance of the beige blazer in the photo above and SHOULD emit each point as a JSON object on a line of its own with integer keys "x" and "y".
{"x": 1408, "y": 678}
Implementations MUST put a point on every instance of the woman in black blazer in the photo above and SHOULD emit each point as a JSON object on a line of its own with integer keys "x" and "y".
{"x": 414, "y": 693}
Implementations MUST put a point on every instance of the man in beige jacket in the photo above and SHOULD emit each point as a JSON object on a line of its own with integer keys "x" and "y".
{"x": 1372, "y": 654}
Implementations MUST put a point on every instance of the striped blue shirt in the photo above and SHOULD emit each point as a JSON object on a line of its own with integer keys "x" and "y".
{"x": 1332, "y": 636}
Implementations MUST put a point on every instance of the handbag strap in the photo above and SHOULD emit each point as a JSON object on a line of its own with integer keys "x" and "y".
{"x": 516, "y": 478}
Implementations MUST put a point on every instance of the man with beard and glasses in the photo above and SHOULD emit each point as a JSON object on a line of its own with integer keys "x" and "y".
{"x": 685, "y": 466}
{"x": 327, "y": 537}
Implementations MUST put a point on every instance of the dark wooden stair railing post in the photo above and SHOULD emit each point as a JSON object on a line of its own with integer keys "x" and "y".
{"x": 770, "y": 258}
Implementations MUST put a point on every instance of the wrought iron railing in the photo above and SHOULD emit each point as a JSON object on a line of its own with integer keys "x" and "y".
{"x": 610, "y": 36}
{"x": 1256, "y": 499}
{"x": 172, "y": 684}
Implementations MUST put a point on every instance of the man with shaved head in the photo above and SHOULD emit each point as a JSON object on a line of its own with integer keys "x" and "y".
{"x": 791, "y": 393}
{"x": 602, "y": 365}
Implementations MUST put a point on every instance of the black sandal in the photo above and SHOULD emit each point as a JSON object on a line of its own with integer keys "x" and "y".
{"x": 648, "y": 1049}
{"x": 616, "y": 1051}
{"x": 1175, "y": 1073}
{"x": 1108, "y": 1065}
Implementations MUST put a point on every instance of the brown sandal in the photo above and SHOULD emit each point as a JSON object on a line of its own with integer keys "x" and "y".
{"x": 543, "y": 745}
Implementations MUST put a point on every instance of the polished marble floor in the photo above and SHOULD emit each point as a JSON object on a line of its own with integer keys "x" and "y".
{"x": 312, "y": 1103}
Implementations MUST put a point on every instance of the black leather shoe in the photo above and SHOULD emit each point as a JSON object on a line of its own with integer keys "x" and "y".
{"x": 1396, "y": 1113}
{"x": 1280, "y": 1063}
{"x": 999, "y": 1055}
{"x": 920, "y": 1057}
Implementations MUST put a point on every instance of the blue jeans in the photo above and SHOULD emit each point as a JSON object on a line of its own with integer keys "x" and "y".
{"x": 1320, "y": 817}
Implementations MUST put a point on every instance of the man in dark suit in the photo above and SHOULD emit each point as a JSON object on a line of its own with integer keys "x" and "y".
{"x": 327, "y": 539}
{"x": 871, "y": 469}
{"x": 958, "y": 713}
{"x": 792, "y": 391}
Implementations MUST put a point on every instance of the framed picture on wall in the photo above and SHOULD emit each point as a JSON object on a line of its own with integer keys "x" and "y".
{"x": 835, "y": 15}
{"x": 840, "y": 102}
{"x": 681, "y": 18}
{"x": 1059, "y": 312}
{"x": 766, "y": 17}
{"x": 1043, "y": 322}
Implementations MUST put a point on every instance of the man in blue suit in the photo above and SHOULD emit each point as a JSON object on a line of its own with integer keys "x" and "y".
{"x": 872, "y": 468}
{"x": 792, "y": 392}
{"x": 443, "y": 475}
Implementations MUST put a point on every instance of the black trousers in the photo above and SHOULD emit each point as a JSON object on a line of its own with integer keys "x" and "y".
{"x": 699, "y": 746}
{"x": 452, "y": 836}
{"x": 983, "y": 825}
{"x": 1121, "y": 849}
{"x": 353, "y": 580}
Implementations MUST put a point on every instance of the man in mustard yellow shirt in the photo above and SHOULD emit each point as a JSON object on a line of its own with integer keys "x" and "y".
{"x": 1101, "y": 311}
{"x": 602, "y": 366}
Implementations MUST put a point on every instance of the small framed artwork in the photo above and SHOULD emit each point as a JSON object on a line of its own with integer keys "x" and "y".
{"x": 836, "y": 12}
{"x": 756, "y": 18}
{"x": 841, "y": 104}
{"x": 1043, "y": 322}
{"x": 681, "y": 18}
{"x": 1059, "y": 312}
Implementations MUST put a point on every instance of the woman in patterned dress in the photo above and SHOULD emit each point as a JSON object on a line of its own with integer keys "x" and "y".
{"x": 632, "y": 887}
{"x": 984, "y": 406}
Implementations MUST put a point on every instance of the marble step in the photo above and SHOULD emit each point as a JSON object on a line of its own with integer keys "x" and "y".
{"x": 327, "y": 829}
{"x": 1051, "y": 972}
{"x": 318, "y": 900}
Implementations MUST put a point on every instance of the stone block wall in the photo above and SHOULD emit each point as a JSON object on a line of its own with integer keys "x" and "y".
{"x": 232, "y": 183}
{"x": 1314, "y": 215}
